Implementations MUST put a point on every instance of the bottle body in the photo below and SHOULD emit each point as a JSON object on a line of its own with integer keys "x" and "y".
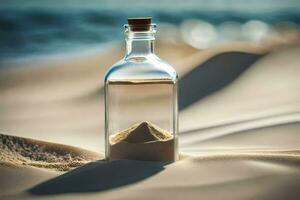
{"x": 141, "y": 107}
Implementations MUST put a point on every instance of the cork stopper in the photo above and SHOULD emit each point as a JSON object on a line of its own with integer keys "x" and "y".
{"x": 139, "y": 23}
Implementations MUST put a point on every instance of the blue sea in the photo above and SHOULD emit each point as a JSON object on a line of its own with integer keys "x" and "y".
{"x": 58, "y": 27}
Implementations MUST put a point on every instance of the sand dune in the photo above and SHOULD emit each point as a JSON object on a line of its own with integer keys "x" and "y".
{"x": 269, "y": 87}
{"x": 16, "y": 151}
{"x": 238, "y": 129}
{"x": 212, "y": 75}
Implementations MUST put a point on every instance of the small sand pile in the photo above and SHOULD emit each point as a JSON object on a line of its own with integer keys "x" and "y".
{"x": 144, "y": 141}
{"x": 16, "y": 151}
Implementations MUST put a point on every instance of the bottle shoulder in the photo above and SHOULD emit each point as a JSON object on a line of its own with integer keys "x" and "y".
{"x": 141, "y": 68}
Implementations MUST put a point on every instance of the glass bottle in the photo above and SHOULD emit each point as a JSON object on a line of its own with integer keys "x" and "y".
{"x": 141, "y": 111}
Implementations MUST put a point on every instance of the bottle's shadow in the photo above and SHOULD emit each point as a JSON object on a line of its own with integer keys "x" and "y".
{"x": 99, "y": 176}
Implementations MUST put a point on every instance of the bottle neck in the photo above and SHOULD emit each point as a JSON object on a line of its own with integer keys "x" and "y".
{"x": 139, "y": 43}
{"x": 139, "y": 47}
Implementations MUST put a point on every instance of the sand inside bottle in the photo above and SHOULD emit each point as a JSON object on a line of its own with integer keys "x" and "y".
{"x": 142, "y": 141}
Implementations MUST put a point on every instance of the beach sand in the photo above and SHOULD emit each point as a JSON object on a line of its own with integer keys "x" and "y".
{"x": 239, "y": 128}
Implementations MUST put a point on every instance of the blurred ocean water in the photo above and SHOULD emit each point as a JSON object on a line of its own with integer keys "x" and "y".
{"x": 35, "y": 31}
